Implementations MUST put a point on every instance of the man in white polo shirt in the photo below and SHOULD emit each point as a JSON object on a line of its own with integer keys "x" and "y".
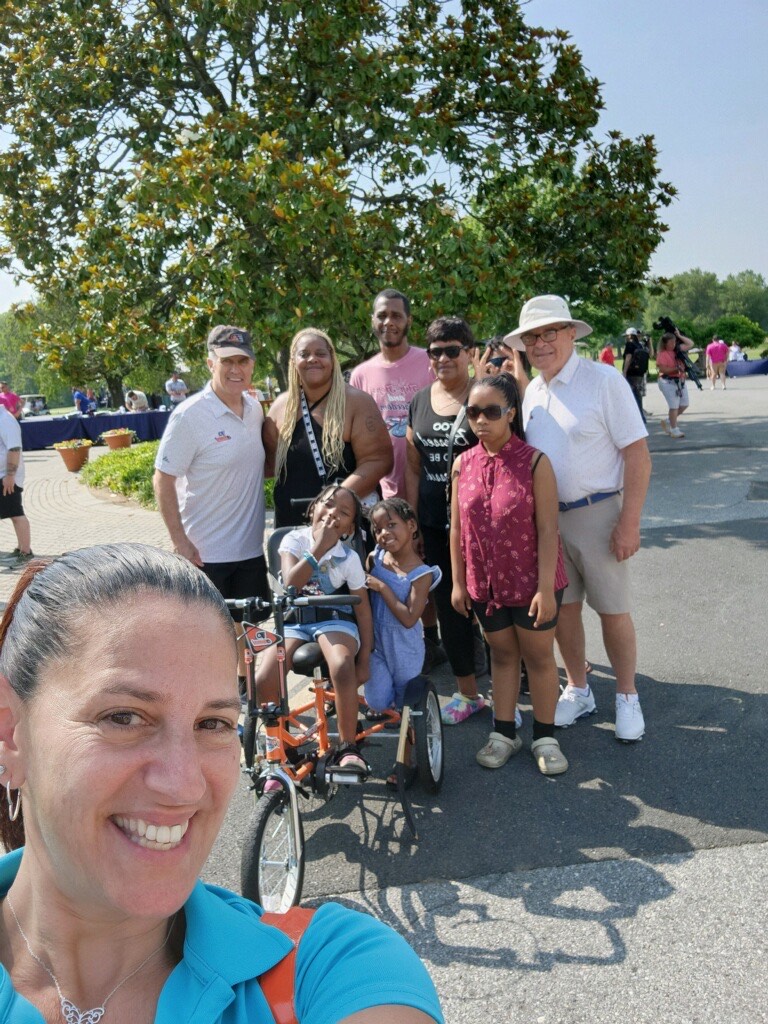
{"x": 584, "y": 417}
{"x": 209, "y": 472}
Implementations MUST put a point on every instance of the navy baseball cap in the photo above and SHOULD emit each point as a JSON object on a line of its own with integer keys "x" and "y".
{"x": 230, "y": 341}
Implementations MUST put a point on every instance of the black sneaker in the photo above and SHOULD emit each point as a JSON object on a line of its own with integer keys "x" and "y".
{"x": 434, "y": 655}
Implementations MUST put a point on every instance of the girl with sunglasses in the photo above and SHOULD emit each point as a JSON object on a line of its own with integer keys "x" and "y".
{"x": 508, "y": 566}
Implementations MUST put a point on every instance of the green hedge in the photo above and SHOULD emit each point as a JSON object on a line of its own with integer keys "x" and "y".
{"x": 128, "y": 471}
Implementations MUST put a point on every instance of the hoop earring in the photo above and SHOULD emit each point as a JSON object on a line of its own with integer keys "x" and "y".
{"x": 14, "y": 810}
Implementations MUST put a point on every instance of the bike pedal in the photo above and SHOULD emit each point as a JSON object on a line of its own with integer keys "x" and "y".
{"x": 342, "y": 777}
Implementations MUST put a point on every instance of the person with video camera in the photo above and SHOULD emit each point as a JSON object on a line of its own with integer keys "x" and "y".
{"x": 672, "y": 377}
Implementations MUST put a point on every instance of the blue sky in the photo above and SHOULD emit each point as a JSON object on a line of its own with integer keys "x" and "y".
{"x": 694, "y": 75}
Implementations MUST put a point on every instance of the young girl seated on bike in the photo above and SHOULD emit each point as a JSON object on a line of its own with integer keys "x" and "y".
{"x": 508, "y": 566}
{"x": 315, "y": 560}
{"x": 400, "y": 583}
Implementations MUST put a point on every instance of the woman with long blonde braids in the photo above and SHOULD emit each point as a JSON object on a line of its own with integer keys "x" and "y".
{"x": 321, "y": 431}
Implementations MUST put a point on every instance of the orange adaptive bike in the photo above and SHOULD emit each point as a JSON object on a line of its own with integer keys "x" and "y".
{"x": 287, "y": 750}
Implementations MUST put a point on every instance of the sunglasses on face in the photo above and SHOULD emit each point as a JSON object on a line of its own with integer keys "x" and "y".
{"x": 491, "y": 412}
{"x": 450, "y": 352}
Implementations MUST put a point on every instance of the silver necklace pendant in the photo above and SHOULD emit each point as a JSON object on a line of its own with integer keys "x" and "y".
{"x": 74, "y": 1016}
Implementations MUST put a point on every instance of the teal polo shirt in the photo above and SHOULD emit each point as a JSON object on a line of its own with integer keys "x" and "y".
{"x": 346, "y": 962}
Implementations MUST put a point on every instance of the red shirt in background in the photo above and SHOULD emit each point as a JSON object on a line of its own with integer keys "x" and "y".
{"x": 606, "y": 356}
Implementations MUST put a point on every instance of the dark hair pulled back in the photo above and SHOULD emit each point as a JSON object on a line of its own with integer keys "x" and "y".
{"x": 49, "y": 610}
{"x": 507, "y": 385}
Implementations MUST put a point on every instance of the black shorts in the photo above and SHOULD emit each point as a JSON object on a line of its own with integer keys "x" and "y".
{"x": 517, "y": 615}
{"x": 240, "y": 579}
{"x": 10, "y": 504}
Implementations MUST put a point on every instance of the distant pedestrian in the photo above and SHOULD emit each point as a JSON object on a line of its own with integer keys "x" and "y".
{"x": 606, "y": 355}
{"x": 717, "y": 360}
{"x": 635, "y": 365}
{"x": 672, "y": 379}
{"x": 176, "y": 389}
{"x": 12, "y": 472}
{"x": 10, "y": 400}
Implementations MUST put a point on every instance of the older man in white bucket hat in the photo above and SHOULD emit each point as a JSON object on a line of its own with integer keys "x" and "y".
{"x": 584, "y": 417}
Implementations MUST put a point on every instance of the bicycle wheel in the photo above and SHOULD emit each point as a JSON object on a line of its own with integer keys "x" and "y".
{"x": 271, "y": 872}
{"x": 428, "y": 731}
{"x": 249, "y": 740}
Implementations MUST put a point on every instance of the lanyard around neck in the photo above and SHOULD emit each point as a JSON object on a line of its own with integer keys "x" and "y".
{"x": 319, "y": 464}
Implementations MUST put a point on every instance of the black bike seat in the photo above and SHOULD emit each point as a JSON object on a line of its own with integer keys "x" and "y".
{"x": 307, "y": 658}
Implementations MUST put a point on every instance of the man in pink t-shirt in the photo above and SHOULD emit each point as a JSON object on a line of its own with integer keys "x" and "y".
{"x": 393, "y": 377}
{"x": 717, "y": 360}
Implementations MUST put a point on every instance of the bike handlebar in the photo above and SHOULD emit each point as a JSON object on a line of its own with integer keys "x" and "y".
{"x": 300, "y": 601}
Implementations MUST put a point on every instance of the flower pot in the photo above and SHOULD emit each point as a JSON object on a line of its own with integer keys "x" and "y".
{"x": 74, "y": 458}
{"x": 118, "y": 440}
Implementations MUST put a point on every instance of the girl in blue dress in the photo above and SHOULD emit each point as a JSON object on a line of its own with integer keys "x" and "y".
{"x": 400, "y": 583}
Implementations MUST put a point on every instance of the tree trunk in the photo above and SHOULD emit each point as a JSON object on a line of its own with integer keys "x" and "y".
{"x": 115, "y": 388}
{"x": 281, "y": 367}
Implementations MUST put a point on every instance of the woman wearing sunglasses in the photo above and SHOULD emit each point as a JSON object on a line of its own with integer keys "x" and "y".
{"x": 437, "y": 431}
{"x": 508, "y": 566}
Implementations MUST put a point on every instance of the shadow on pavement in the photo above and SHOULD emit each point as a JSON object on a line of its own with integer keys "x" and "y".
{"x": 689, "y": 784}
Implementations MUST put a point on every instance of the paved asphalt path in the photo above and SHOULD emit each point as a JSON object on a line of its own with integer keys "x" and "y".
{"x": 634, "y": 885}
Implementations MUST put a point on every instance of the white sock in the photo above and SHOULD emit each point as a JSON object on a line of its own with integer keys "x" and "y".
{"x": 582, "y": 692}
{"x": 630, "y": 698}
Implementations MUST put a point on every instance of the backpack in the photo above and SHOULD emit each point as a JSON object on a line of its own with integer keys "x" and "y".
{"x": 278, "y": 983}
{"x": 640, "y": 358}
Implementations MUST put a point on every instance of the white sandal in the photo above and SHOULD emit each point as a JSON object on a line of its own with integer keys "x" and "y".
{"x": 548, "y": 756}
{"x": 498, "y": 750}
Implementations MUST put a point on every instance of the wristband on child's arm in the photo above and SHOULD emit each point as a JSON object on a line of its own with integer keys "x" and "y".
{"x": 311, "y": 559}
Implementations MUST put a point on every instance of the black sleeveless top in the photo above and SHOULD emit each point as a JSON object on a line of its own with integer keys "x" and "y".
{"x": 300, "y": 479}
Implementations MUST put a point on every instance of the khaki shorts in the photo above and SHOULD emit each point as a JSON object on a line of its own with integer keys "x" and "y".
{"x": 593, "y": 572}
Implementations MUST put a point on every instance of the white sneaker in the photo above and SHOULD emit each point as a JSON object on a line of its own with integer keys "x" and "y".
{"x": 676, "y": 432}
{"x": 571, "y": 706}
{"x": 630, "y": 724}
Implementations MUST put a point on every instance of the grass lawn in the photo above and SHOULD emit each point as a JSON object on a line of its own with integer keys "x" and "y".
{"x": 129, "y": 471}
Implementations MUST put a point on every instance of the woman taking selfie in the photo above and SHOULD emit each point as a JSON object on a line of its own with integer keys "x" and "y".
{"x": 117, "y": 781}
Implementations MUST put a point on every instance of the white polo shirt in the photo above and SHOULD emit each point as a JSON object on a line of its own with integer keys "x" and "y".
{"x": 218, "y": 460}
{"x": 581, "y": 420}
{"x": 10, "y": 437}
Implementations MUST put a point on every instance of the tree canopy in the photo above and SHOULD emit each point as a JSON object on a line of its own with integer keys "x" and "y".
{"x": 274, "y": 163}
{"x": 735, "y": 308}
